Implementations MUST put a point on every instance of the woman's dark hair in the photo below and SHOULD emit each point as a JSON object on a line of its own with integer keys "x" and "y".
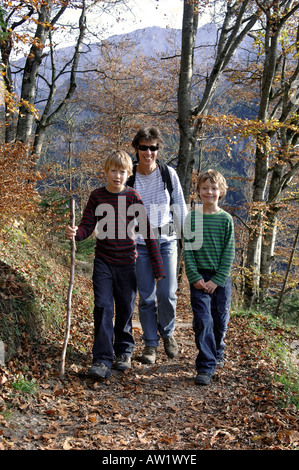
{"x": 147, "y": 133}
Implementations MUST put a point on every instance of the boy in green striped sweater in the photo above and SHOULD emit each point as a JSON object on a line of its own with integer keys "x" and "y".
{"x": 209, "y": 253}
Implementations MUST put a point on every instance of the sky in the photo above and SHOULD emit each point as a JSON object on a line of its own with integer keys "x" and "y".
{"x": 165, "y": 13}
{"x": 138, "y": 14}
{"x": 145, "y": 13}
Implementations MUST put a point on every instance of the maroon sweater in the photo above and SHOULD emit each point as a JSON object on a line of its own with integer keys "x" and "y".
{"x": 112, "y": 216}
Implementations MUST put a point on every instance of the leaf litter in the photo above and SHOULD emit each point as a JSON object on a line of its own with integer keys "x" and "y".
{"x": 149, "y": 407}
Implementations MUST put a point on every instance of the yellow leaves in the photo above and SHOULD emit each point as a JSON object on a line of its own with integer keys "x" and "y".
{"x": 245, "y": 127}
{"x": 14, "y": 103}
{"x": 92, "y": 418}
{"x": 17, "y": 179}
{"x": 29, "y": 107}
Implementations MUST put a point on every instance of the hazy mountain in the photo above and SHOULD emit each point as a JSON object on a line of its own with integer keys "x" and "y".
{"x": 153, "y": 41}
{"x": 149, "y": 42}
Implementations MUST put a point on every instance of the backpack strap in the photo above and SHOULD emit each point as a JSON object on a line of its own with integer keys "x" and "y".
{"x": 131, "y": 179}
{"x": 164, "y": 174}
{"x": 166, "y": 178}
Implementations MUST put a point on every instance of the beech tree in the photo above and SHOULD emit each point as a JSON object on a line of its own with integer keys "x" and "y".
{"x": 110, "y": 104}
{"x": 13, "y": 15}
{"x": 34, "y": 24}
{"x": 276, "y": 157}
{"x": 275, "y": 129}
{"x": 124, "y": 94}
{"x": 238, "y": 19}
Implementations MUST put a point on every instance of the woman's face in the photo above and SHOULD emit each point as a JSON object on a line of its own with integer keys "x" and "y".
{"x": 148, "y": 152}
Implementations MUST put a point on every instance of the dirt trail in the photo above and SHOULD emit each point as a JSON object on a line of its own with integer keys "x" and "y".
{"x": 149, "y": 407}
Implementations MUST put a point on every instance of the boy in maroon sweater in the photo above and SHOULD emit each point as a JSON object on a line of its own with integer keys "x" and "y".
{"x": 112, "y": 212}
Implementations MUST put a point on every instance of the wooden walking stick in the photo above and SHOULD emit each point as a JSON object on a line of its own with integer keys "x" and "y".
{"x": 70, "y": 290}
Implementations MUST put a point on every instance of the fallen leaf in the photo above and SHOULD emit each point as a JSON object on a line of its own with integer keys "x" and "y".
{"x": 66, "y": 444}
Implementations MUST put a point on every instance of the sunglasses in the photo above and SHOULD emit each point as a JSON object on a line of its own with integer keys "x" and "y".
{"x": 153, "y": 148}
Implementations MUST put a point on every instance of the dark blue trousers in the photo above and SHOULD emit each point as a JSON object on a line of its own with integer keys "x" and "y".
{"x": 210, "y": 321}
{"x": 113, "y": 285}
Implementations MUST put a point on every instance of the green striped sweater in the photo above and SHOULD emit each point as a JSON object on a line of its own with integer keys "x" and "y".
{"x": 209, "y": 244}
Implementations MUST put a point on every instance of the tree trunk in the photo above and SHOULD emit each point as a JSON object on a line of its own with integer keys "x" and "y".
{"x": 234, "y": 29}
{"x": 187, "y": 141}
{"x": 6, "y": 48}
{"x": 267, "y": 252}
{"x": 50, "y": 116}
{"x": 253, "y": 264}
{"x": 32, "y": 65}
{"x": 287, "y": 272}
{"x": 257, "y": 261}
{"x": 280, "y": 179}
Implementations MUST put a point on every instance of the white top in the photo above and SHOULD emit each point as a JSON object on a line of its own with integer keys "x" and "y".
{"x": 156, "y": 199}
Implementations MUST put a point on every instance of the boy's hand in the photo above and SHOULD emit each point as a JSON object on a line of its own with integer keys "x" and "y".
{"x": 208, "y": 286}
{"x": 70, "y": 232}
{"x": 200, "y": 284}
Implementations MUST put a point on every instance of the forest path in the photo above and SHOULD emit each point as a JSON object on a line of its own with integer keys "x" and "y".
{"x": 149, "y": 407}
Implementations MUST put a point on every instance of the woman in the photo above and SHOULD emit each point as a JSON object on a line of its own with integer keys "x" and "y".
{"x": 166, "y": 209}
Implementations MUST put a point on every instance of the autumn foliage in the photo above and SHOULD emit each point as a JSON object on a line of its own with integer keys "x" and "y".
{"x": 18, "y": 194}
{"x": 159, "y": 407}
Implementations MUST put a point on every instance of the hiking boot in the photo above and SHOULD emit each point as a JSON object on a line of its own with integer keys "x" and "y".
{"x": 99, "y": 370}
{"x": 202, "y": 379}
{"x": 123, "y": 362}
{"x": 149, "y": 355}
{"x": 171, "y": 347}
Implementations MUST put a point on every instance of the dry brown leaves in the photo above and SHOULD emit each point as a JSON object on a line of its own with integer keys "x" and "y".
{"x": 18, "y": 195}
{"x": 149, "y": 407}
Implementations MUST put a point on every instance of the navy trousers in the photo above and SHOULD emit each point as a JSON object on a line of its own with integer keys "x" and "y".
{"x": 113, "y": 286}
{"x": 210, "y": 322}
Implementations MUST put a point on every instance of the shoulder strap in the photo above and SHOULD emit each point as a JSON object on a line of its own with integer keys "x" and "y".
{"x": 131, "y": 179}
{"x": 165, "y": 176}
{"x": 164, "y": 173}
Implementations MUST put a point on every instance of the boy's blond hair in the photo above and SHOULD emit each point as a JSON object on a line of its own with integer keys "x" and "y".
{"x": 119, "y": 159}
{"x": 215, "y": 177}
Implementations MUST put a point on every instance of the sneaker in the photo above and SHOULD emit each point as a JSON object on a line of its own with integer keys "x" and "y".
{"x": 220, "y": 363}
{"x": 123, "y": 362}
{"x": 171, "y": 347}
{"x": 202, "y": 379}
{"x": 99, "y": 370}
{"x": 149, "y": 355}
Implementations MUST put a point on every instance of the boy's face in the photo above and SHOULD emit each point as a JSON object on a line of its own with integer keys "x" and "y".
{"x": 117, "y": 178}
{"x": 209, "y": 193}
